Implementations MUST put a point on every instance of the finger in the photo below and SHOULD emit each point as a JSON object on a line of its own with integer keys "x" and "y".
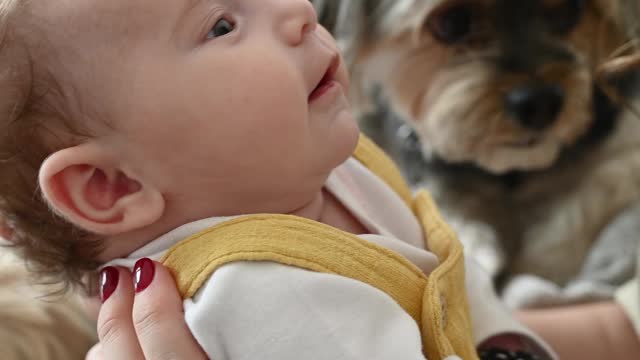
{"x": 115, "y": 328}
{"x": 158, "y": 315}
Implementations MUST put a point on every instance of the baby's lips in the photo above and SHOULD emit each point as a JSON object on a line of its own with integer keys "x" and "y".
{"x": 328, "y": 76}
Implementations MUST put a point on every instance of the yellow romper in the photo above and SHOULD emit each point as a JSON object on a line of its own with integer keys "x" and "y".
{"x": 437, "y": 302}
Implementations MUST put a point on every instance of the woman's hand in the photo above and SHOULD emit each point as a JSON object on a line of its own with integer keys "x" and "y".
{"x": 142, "y": 319}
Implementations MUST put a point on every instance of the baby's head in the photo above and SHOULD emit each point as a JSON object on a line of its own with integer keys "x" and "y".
{"x": 121, "y": 120}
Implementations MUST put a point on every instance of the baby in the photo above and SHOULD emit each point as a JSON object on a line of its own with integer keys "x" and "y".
{"x": 216, "y": 135}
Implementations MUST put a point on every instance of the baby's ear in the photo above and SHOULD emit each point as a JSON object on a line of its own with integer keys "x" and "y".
{"x": 86, "y": 187}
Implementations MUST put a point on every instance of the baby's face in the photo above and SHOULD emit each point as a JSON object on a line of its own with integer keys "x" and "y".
{"x": 237, "y": 103}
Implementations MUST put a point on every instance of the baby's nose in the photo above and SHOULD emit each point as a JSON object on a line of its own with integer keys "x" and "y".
{"x": 295, "y": 18}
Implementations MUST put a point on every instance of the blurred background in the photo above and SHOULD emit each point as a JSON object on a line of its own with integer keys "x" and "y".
{"x": 521, "y": 119}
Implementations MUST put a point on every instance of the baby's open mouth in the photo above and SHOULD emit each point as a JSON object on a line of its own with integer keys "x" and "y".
{"x": 327, "y": 80}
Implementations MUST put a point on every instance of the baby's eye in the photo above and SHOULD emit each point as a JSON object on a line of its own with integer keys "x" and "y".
{"x": 221, "y": 28}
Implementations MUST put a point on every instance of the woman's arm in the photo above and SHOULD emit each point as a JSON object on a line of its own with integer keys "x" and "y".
{"x": 585, "y": 332}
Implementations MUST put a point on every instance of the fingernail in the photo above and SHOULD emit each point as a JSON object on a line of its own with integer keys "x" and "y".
{"x": 109, "y": 277}
{"x": 144, "y": 271}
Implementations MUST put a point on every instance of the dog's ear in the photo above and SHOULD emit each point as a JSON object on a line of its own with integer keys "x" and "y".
{"x": 625, "y": 61}
{"x": 625, "y": 13}
{"x": 629, "y": 13}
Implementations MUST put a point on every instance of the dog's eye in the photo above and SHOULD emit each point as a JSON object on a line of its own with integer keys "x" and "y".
{"x": 563, "y": 17}
{"x": 452, "y": 24}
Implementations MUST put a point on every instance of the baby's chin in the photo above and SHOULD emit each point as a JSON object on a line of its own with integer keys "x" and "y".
{"x": 348, "y": 134}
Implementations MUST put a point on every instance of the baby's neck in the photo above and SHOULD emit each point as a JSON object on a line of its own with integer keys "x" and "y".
{"x": 312, "y": 210}
{"x": 324, "y": 208}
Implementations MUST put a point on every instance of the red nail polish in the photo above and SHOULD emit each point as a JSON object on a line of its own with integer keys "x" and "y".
{"x": 144, "y": 271}
{"x": 109, "y": 277}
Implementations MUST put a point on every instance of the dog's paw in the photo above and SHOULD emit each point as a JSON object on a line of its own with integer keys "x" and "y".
{"x": 528, "y": 291}
{"x": 481, "y": 242}
{"x": 589, "y": 291}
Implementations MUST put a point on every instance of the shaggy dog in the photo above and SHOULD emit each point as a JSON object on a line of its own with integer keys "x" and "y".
{"x": 36, "y": 325}
{"x": 508, "y": 117}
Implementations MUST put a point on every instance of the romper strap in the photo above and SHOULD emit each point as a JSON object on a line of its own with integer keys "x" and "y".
{"x": 299, "y": 242}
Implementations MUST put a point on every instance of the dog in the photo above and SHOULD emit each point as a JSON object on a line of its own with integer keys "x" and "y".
{"x": 502, "y": 109}
{"x": 33, "y": 323}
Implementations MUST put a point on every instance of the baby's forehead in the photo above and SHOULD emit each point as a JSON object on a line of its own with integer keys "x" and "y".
{"x": 91, "y": 47}
{"x": 72, "y": 18}
{"x": 92, "y": 21}
{"x": 86, "y": 32}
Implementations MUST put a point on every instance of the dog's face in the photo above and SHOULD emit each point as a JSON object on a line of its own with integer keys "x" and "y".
{"x": 503, "y": 84}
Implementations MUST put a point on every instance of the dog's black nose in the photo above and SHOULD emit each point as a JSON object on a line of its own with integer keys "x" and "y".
{"x": 535, "y": 107}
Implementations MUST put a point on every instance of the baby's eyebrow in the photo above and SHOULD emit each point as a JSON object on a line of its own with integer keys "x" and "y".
{"x": 189, "y": 6}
